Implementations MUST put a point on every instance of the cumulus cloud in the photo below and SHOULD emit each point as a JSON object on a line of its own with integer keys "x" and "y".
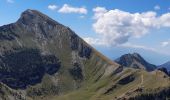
{"x": 70, "y": 9}
{"x": 164, "y": 20}
{"x": 116, "y": 26}
{"x": 157, "y": 7}
{"x": 99, "y": 12}
{"x": 52, "y": 7}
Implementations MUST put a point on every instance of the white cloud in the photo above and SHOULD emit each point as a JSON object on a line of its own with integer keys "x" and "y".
{"x": 165, "y": 43}
{"x": 99, "y": 12}
{"x": 116, "y": 26}
{"x": 10, "y": 1}
{"x": 99, "y": 42}
{"x": 157, "y": 7}
{"x": 94, "y": 41}
{"x": 69, "y": 9}
{"x": 164, "y": 20}
{"x": 52, "y": 7}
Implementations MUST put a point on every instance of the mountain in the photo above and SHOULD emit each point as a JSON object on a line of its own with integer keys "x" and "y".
{"x": 135, "y": 61}
{"x": 163, "y": 69}
{"x": 41, "y": 59}
{"x": 166, "y": 65}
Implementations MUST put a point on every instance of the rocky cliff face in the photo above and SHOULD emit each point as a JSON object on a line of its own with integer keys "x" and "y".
{"x": 135, "y": 61}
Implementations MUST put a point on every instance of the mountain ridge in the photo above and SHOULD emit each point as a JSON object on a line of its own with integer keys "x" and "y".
{"x": 41, "y": 59}
{"x": 166, "y": 65}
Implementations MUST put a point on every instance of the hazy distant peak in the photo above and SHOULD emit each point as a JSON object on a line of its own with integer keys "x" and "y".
{"x": 135, "y": 60}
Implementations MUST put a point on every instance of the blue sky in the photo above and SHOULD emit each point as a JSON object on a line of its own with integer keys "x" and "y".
{"x": 114, "y": 27}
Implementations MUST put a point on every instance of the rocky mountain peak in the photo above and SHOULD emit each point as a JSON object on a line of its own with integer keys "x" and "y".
{"x": 136, "y": 61}
{"x": 35, "y": 22}
{"x": 137, "y": 55}
{"x": 133, "y": 55}
{"x": 30, "y": 17}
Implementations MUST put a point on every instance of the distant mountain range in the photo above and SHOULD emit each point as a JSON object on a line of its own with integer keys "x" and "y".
{"x": 41, "y": 59}
{"x": 163, "y": 69}
{"x": 166, "y": 65}
{"x": 135, "y": 61}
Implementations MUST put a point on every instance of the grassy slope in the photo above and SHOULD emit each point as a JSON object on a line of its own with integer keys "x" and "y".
{"x": 152, "y": 81}
{"x": 95, "y": 84}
